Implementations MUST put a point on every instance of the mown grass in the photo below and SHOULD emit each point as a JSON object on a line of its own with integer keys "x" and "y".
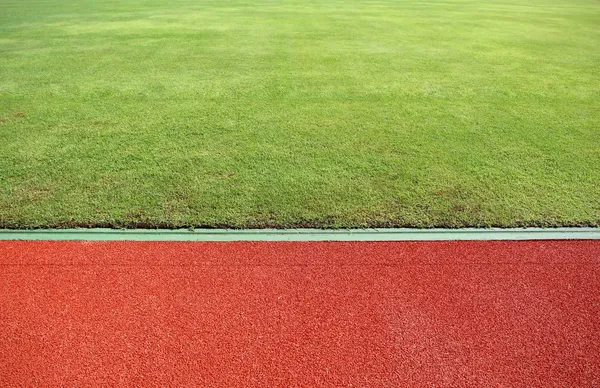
{"x": 298, "y": 113}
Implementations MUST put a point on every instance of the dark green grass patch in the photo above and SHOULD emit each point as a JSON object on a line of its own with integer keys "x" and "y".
{"x": 295, "y": 113}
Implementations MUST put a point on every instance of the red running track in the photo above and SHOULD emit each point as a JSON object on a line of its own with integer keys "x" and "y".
{"x": 300, "y": 314}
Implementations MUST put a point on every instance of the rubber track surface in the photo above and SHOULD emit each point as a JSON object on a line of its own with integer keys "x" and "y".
{"x": 300, "y": 314}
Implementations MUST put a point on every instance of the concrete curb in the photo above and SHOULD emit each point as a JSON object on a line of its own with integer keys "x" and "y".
{"x": 301, "y": 234}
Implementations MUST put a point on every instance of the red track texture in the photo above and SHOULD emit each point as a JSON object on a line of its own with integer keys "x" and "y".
{"x": 300, "y": 313}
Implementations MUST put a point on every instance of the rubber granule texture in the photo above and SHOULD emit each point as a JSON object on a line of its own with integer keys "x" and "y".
{"x": 300, "y": 313}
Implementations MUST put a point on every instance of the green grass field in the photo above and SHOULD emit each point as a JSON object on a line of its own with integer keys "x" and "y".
{"x": 266, "y": 113}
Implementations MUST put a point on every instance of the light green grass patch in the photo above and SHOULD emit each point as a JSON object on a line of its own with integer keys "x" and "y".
{"x": 290, "y": 113}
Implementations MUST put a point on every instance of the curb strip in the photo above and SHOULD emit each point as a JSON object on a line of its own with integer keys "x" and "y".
{"x": 300, "y": 234}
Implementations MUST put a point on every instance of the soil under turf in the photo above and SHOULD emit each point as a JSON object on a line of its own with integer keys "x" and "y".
{"x": 333, "y": 113}
{"x": 300, "y": 314}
